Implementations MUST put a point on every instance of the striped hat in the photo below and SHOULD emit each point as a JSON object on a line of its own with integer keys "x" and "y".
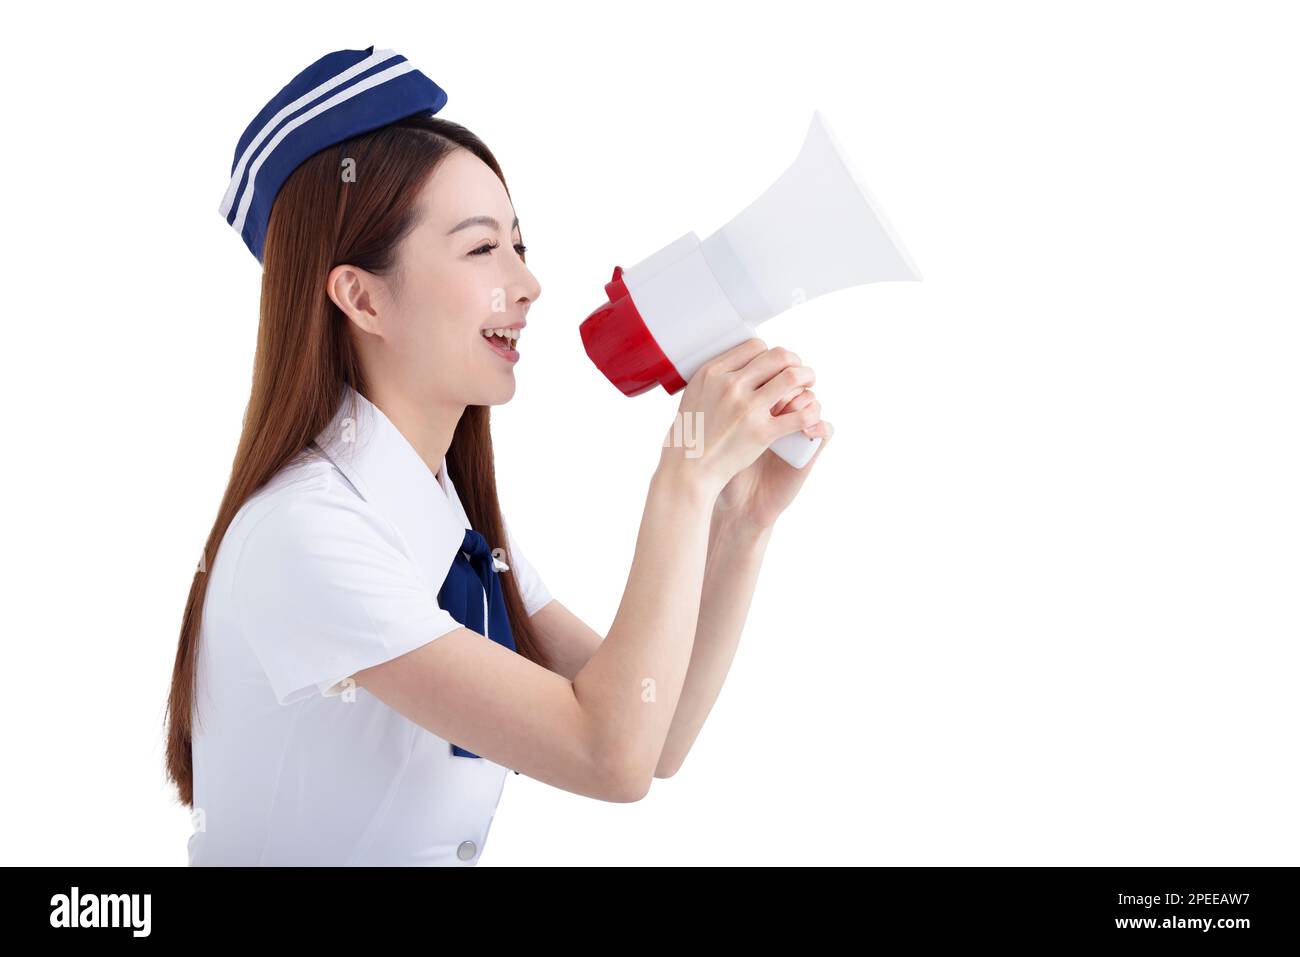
{"x": 341, "y": 95}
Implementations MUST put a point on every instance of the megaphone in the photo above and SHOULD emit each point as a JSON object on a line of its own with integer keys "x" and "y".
{"x": 815, "y": 230}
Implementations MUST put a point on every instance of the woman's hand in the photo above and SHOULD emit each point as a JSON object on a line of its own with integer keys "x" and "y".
{"x": 734, "y": 407}
{"x": 758, "y": 494}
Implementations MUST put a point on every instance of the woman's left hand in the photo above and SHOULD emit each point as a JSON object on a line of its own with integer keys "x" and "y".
{"x": 759, "y": 493}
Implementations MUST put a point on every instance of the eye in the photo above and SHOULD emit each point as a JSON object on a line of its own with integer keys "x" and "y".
{"x": 486, "y": 248}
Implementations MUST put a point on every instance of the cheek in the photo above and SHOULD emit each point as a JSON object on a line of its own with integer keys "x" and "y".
{"x": 442, "y": 314}
{"x": 439, "y": 334}
{"x": 473, "y": 298}
{"x": 466, "y": 307}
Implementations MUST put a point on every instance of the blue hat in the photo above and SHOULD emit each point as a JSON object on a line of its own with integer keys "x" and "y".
{"x": 341, "y": 95}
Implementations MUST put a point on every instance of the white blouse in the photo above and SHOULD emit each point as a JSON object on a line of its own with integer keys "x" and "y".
{"x": 332, "y": 567}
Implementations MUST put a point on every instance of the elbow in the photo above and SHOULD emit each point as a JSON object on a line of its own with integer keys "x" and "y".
{"x": 627, "y": 787}
{"x": 622, "y": 782}
{"x": 634, "y": 789}
{"x": 627, "y": 779}
{"x": 618, "y": 771}
{"x": 615, "y": 773}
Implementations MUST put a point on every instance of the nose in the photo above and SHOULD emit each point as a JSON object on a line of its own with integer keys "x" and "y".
{"x": 529, "y": 289}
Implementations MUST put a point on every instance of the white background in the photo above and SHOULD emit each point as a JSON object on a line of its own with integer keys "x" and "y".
{"x": 1037, "y": 603}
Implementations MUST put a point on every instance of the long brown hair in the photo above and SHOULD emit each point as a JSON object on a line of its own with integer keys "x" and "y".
{"x": 305, "y": 356}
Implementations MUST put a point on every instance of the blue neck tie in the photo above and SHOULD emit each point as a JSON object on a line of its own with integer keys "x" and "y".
{"x": 473, "y": 589}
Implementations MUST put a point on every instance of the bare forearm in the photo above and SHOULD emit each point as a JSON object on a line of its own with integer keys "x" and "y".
{"x": 631, "y": 685}
{"x": 735, "y": 555}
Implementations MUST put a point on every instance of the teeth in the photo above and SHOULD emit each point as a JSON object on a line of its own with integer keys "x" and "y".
{"x": 511, "y": 334}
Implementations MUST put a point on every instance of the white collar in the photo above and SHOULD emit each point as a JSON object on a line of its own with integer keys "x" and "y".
{"x": 389, "y": 474}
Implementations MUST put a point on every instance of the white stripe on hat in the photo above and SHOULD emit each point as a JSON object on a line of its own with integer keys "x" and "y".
{"x": 238, "y": 175}
{"x": 340, "y": 97}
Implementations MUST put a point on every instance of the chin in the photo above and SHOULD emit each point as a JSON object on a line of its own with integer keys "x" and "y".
{"x": 501, "y": 395}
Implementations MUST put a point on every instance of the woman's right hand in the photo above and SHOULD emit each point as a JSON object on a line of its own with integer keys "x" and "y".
{"x": 725, "y": 420}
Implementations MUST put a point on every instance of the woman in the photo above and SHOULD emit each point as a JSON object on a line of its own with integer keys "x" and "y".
{"x": 334, "y": 699}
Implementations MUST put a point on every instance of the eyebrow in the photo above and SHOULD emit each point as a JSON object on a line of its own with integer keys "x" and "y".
{"x": 481, "y": 221}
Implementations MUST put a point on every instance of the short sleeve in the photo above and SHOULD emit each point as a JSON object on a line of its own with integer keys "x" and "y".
{"x": 531, "y": 587}
{"x": 321, "y": 591}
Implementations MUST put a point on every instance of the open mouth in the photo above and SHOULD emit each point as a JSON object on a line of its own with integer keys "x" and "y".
{"x": 503, "y": 342}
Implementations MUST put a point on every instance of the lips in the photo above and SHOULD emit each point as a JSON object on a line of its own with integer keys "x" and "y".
{"x": 502, "y": 345}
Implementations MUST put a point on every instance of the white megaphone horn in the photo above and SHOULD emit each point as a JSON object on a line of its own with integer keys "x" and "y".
{"x": 815, "y": 230}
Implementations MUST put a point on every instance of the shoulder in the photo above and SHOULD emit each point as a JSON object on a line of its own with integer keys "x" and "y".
{"x": 308, "y": 508}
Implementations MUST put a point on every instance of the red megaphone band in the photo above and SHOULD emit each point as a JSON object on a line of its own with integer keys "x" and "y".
{"x": 620, "y": 344}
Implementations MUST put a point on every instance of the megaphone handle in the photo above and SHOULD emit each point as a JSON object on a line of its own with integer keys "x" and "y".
{"x": 796, "y": 448}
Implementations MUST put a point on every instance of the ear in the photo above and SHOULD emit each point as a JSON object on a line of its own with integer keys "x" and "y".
{"x": 355, "y": 291}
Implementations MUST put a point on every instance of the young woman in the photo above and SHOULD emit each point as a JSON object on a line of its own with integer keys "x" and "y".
{"x": 334, "y": 698}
